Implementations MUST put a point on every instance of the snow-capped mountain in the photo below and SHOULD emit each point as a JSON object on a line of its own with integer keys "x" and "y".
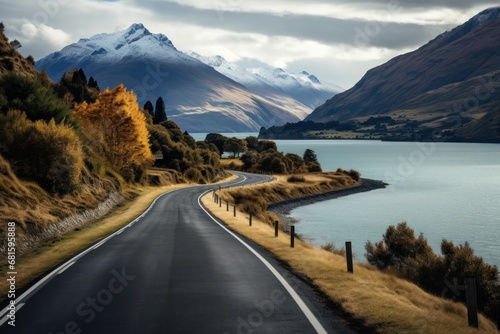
{"x": 197, "y": 97}
{"x": 275, "y": 83}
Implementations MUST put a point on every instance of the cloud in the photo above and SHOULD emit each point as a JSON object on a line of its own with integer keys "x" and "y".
{"x": 320, "y": 29}
{"x": 35, "y": 38}
{"x": 350, "y": 34}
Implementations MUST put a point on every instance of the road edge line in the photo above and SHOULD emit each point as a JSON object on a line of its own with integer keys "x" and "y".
{"x": 300, "y": 303}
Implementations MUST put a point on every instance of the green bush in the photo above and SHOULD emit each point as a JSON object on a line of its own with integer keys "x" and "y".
{"x": 37, "y": 99}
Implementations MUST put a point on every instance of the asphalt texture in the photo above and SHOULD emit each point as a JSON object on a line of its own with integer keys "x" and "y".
{"x": 174, "y": 270}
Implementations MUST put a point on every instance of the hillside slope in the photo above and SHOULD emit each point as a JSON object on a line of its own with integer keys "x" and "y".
{"x": 453, "y": 77}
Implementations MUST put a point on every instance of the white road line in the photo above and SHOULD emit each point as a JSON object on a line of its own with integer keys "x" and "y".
{"x": 303, "y": 307}
{"x": 4, "y": 319}
{"x": 64, "y": 269}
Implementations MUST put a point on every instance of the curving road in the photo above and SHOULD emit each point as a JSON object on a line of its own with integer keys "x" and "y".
{"x": 173, "y": 270}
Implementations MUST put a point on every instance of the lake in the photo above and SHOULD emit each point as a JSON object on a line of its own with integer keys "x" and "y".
{"x": 443, "y": 190}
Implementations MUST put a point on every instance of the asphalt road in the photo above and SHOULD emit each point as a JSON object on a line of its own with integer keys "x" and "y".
{"x": 173, "y": 270}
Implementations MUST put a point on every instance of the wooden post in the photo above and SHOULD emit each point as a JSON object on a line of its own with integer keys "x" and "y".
{"x": 471, "y": 297}
{"x": 227, "y": 205}
{"x": 292, "y": 236}
{"x": 220, "y": 202}
{"x": 234, "y": 213}
{"x": 250, "y": 220}
{"x": 276, "y": 225}
{"x": 348, "y": 254}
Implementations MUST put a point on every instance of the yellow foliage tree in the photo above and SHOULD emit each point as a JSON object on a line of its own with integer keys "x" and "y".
{"x": 117, "y": 116}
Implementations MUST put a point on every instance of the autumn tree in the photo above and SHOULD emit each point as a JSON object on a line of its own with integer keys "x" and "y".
{"x": 117, "y": 116}
{"x": 160, "y": 114}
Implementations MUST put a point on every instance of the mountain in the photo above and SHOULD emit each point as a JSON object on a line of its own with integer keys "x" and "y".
{"x": 197, "y": 97}
{"x": 444, "y": 88}
{"x": 276, "y": 85}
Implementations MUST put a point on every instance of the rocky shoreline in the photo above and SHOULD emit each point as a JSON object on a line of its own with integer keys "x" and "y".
{"x": 284, "y": 208}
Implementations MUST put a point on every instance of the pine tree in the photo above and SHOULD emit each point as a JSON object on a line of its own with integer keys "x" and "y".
{"x": 93, "y": 84}
{"x": 160, "y": 114}
{"x": 2, "y": 27}
{"x": 148, "y": 106}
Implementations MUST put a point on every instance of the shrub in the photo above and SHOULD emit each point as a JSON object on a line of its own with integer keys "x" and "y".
{"x": 354, "y": 174}
{"x": 34, "y": 97}
{"x": 332, "y": 248}
{"x": 314, "y": 167}
{"x": 412, "y": 258}
{"x": 49, "y": 154}
{"x": 194, "y": 175}
{"x": 296, "y": 178}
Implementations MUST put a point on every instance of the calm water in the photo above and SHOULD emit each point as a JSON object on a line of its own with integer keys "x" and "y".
{"x": 444, "y": 190}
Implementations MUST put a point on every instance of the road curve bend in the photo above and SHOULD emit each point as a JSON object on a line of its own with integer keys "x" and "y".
{"x": 173, "y": 270}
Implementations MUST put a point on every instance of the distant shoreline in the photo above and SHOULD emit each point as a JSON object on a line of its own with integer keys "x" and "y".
{"x": 284, "y": 208}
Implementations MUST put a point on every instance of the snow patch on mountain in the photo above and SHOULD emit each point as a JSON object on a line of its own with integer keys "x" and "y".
{"x": 305, "y": 88}
{"x": 134, "y": 42}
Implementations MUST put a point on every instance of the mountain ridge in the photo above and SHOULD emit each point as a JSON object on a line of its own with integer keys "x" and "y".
{"x": 427, "y": 85}
{"x": 197, "y": 97}
{"x": 303, "y": 87}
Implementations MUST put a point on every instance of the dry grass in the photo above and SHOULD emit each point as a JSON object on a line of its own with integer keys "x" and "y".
{"x": 390, "y": 304}
{"x": 255, "y": 198}
{"x": 230, "y": 162}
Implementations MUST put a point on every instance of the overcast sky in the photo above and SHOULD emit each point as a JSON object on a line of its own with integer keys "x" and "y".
{"x": 337, "y": 40}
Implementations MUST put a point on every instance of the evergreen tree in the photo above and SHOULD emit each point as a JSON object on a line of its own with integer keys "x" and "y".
{"x": 93, "y": 84}
{"x": 148, "y": 106}
{"x": 2, "y": 27}
{"x": 160, "y": 114}
{"x": 83, "y": 78}
{"x": 310, "y": 156}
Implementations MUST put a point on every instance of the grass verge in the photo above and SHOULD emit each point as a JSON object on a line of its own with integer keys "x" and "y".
{"x": 381, "y": 301}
